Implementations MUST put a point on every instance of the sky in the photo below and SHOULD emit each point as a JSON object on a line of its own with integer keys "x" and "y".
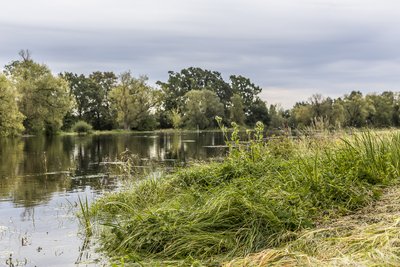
{"x": 291, "y": 48}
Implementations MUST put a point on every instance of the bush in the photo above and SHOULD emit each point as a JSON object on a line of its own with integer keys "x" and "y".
{"x": 82, "y": 127}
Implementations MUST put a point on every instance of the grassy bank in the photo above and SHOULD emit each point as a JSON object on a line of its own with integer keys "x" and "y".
{"x": 261, "y": 196}
{"x": 120, "y": 131}
{"x": 368, "y": 237}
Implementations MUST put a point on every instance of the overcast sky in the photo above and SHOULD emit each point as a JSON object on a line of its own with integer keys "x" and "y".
{"x": 291, "y": 48}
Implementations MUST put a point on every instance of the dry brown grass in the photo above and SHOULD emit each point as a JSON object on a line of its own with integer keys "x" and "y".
{"x": 369, "y": 237}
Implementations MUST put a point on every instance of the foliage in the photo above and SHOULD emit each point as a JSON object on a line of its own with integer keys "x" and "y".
{"x": 82, "y": 127}
{"x": 176, "y": 118}
{"x": 277, "y": 116}
{"x": 200, "y": 109}
{"x": 236, "y": 110}
{"x": 353, "y": 110}
{"x": 92, "y": 98}
{"x": 256, "y": 198}
{"x": 43, "y": 99}
{"x": 133, "y": 99}
{"x": 384, "y": 108}
{"x": 357, "y": 109}
{"x": 258, "y": 111}
{"x": 302, "y": 114}
{"x": 246, "y": 89}
{"x": 10, "y": 117}
{"x": 331, "y": 111}
{"x": 105, "y": 101}
{"x": 180, "y": 83}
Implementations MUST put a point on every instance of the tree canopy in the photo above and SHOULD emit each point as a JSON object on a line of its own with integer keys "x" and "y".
{"x": 201, "y": 107}
{"x": 92, "y": 96}
{"x": 133, "y": 100}
{"x": 34, "y": 101}
{"x": 10, "y": 117}
{"x": 44, "y": 99}
{"x": 180, "y": 83}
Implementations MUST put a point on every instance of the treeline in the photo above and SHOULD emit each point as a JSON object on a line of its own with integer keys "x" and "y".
{"x": 352, "y": 110}
{"x": 189, "y": 99}
{"x": 34, "y": 101}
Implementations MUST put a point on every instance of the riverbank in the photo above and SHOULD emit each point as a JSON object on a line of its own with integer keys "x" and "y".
{"x": 368, "y": 237}
{"x": 269, "y": 132}
{"x": 120, "y": 131}
{"x": 261, "y": 196}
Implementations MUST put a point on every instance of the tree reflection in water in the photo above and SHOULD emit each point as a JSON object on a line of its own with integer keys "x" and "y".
{"x": 41, "y": 177}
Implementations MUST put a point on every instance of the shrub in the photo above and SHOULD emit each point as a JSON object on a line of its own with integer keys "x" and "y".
{"x": 82, "y": 127}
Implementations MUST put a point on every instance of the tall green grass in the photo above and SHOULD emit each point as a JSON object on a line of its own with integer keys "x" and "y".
{"x": 257, "y": 198}
{"x": 84, "y": 215}
{"x": 368, "y": 237}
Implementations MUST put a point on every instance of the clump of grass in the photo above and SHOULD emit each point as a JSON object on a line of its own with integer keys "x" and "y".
{"x": 84, "y": 215}
{"x": 370, "y": 237}
{"x": 257, "y": 198}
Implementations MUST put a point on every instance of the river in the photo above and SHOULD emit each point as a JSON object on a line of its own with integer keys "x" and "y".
{"x": 42, "y": 180}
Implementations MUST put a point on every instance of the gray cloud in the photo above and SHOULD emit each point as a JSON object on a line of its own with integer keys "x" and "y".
{"x": 291, "y": 48}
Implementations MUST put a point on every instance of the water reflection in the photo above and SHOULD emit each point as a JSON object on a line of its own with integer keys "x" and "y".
{"x": 33, "y": 169}
{"x": 41, "y": 180}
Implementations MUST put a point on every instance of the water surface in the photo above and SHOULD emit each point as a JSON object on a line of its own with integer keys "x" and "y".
{"x": 41, "y": 180}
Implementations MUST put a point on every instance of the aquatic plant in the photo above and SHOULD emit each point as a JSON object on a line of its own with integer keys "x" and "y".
{"x": 84, "y": 215}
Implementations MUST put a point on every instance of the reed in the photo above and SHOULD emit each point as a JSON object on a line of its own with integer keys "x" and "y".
{"x": 85, "y": 216}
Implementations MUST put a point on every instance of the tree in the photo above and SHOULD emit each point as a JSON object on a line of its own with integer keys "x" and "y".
{"x": 257, "y": 111}
{"x": 302, "y": 114}
{"x": 277, "y": 117}
{"x": 246, "y": 89}
{"x": 44, "y": 99}
{"x": 236, "y": 110}
{"x": 101, "y": 111}
{"x": 180, "y": 83}
{"x": 327, "y": 110}
{"x": 92, "y": 98}
{"x": 79, "y": 87}
{"x": 133, "y": 99}
{"x": 201, "y": 107}
{"x": 176, "y": 118}
{"x": 317, "y": 102}
{"x": 384, "y": 107}
{"x": 396, "y": 111}
{"x": 253, "y": 105}
{"x": 356, "y": 109}
{"x": 10, "y": 117}
{"x": 337, "y": 115}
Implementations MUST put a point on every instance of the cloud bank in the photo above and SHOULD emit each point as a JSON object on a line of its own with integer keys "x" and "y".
{"x": 291, "y": 48}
